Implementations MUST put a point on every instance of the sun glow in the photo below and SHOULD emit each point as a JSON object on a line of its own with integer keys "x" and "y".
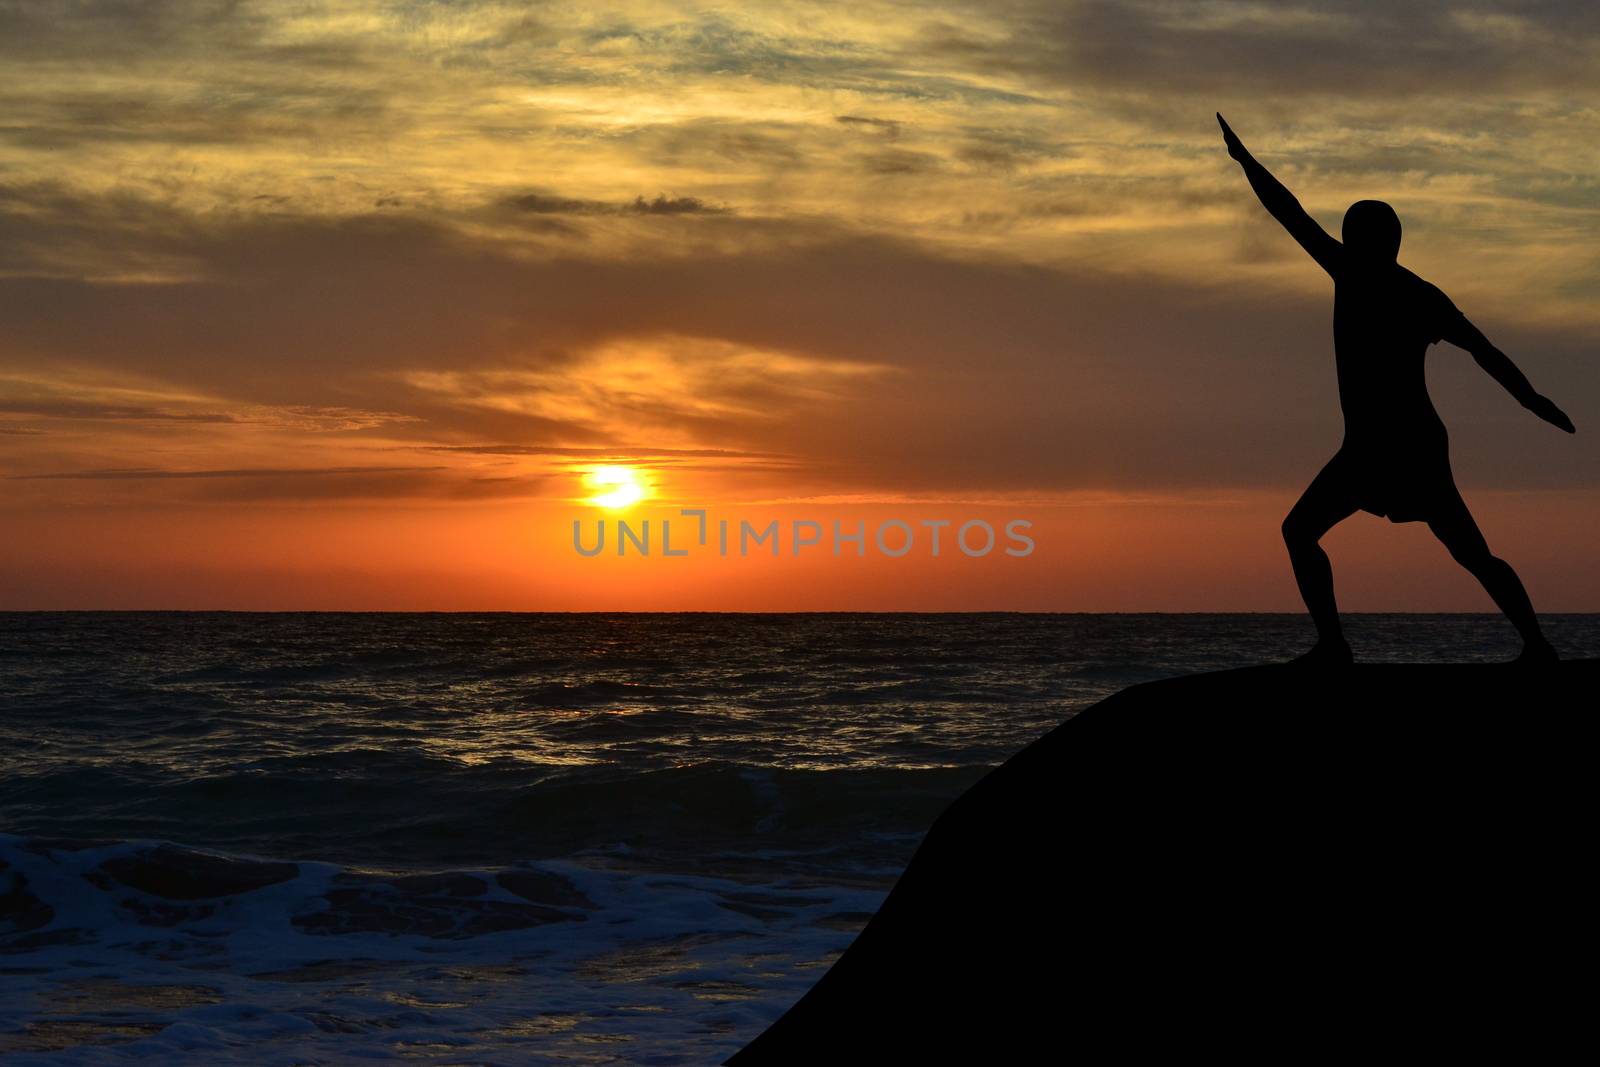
{"x": 620, "y": 487}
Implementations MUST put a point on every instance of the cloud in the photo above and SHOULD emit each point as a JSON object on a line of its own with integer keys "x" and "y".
{"x": 67, "y": 409}
{"x": 128, "y": 473}
{"x": 1369, "y": 48}
{"x": 714, "y": 144}
{"x": 301, "y": 484}
{"x": 559, "y": 205}
{"x": 890, "y": 128}
{"x": 321, "y": 419}
{"x": 679, "y": 236}
{"x": 873, "y": 362}
{"x": 619, "y": 455}
{"x": 99, "y": 398}
{"x": 900, "y": 162}
{"x": 539, "y": 204}
{"x": 670, "y": 205}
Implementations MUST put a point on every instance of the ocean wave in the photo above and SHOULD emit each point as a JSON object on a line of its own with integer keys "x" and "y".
{"x": 510, "y": 838}
{"x": 150, "y": 950}
{"x": 408, "y": 808}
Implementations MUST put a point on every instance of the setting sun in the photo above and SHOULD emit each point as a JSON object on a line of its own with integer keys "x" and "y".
{"x": 621, "y": 487}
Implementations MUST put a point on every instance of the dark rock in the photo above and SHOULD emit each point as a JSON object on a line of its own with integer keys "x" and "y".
{"x": 20, "y": 908}
{"x": 542, "y": 887}
{"x": 180, "y": 874}
{"x": 1261, "y": 863}
{"x": 43, "y": 846}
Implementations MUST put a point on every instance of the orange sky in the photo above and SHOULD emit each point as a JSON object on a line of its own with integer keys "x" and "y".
{"x": 336, "y": 305}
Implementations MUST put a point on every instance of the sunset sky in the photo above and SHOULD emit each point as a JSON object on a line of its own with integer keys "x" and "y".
{"x": 339, "y": 305}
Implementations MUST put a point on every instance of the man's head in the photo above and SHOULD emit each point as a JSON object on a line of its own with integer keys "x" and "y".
{"x": 1371, "y": 231}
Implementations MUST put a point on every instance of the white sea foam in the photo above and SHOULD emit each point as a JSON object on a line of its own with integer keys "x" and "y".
{"x": 660, "y": 968}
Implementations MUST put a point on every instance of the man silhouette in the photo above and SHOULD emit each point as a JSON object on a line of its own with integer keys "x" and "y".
{"x": 1395, "y": 459}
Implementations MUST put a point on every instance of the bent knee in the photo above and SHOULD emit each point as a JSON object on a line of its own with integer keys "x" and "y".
{"x": 1475, "y": 557}
{"x": 1298, "y": 534}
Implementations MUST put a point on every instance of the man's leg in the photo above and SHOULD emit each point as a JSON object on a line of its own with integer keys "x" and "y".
{"x": 1327, "y": 501}
{"x": 1455, "y": 528}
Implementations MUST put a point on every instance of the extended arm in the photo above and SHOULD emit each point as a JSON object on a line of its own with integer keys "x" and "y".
{"x": 1498, "y": 365}
{"x": 1283, "y": 206}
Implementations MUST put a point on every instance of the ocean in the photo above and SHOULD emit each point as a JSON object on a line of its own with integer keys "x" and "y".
{"x": 515, "y": 838}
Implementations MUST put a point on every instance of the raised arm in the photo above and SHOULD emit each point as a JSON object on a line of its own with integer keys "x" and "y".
{"x": 1283, "y": 206}
{"x": 1462, "y": 333}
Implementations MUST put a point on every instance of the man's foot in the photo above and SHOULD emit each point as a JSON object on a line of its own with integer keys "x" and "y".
{"x": 1537, "y": 651}
{"x": 1326, "y": 653}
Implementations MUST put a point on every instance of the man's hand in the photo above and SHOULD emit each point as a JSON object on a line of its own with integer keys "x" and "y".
{"x": 1236, "y": 148}
{"x": 1546, "y": 409}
